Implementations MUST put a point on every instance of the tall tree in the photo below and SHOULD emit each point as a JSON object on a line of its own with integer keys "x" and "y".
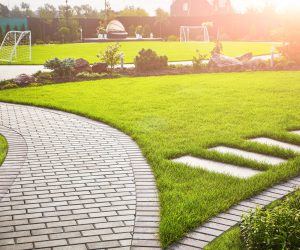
{"x": 162, "y": 19}
{"x": 68, "y": 25}
{"x": 86, "y": 11}
{"x": 4, "y": 11}
{"x": 47, "y": 13}
{"x": 132, "y": 11}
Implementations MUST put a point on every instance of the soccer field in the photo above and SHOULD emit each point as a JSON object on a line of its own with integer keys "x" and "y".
{"x": 175, "y": 51}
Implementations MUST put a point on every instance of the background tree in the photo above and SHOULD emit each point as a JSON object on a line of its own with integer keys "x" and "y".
{"x": 132, "y": 11}
{"x": 26, "y": 11}
{"x": 16, "y": 12}
{"x": 108, "y": 14}
{"x": 146, "y": 31}
{"x": 162, "y": 19}
{"x": 47, "y": 13}
{"x": 4, "y": 11}
{"x": 86, "y": 11}
{"x": 7, "y": 28}
{"x": 68, "y": 25}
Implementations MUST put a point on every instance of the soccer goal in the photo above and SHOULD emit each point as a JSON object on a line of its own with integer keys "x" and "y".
{"x": 16, "y": 46}
{"x": 194, "y": 33}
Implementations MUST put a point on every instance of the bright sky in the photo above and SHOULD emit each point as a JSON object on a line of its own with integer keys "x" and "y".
{"x": 151, "y": 5}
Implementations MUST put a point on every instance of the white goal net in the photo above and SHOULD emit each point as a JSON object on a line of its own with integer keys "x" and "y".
{"x": 16, "y": 47}
{"x": 194, "y": 33}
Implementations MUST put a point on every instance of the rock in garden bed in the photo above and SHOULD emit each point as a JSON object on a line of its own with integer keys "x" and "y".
{"x": 99, "y": 68}
{"x": 221, "y": 61}
{"x": 81, "y": 65}
{"x": 24, "y": 79}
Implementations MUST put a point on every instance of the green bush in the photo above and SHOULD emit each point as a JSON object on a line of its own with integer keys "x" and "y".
{"x": 111, "y": 56}
{"x": 274, "y": 228}
{"x": 148, "y": 60}
{"x": 9, "y": 85}
{"x": 218, "y": 49}
{"x": 199, "y": 62}
{"x": 88, "y": 75}
{"x": 173, "y": 38}
{"x": 43, "y": 77}
{"x": 62, "y": 69}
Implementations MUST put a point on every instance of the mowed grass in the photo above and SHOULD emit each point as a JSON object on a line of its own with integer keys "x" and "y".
{"x": 172, "y": 116}
{"x": 175, "y": 51}
{"x": 3, "y": 149}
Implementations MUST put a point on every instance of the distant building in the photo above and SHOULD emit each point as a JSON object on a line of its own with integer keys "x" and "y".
{"x": 200, "y": 7}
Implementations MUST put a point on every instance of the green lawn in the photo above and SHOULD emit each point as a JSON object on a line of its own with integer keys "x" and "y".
{"x": 171, "y": 116}
{"x": 176, "y": 51}
{"x": 3, "y": 149}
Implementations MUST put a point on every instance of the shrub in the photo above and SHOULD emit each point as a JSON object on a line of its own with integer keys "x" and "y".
{"x": 37, "y": 42}
{"x": 111, "y": 56}
{"x": 148, "y": 60}
{"x": 43, "y": 77}
{"x": 218, "y": 49}
{"x": 199, "y": 62}
{"x": 62, "y": 69}
{"x": 173, "y": 38}
{"x": 139, "y": 30}
{"x": 9, "y": 85}
{"x": 88, "y": 75}
{"x": 273, "y": 228}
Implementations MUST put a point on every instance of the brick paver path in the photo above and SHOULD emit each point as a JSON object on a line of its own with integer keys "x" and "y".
{"x": 72, "y": 183}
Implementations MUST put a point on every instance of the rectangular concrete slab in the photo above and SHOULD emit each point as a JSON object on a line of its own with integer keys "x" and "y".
{"x": 217, "y": 167}
{"x": 297, "y": 132}
{"x": 249, "y": 155}
{"x": 272, "y": 142}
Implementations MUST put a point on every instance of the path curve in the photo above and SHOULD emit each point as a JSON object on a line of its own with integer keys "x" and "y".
{"x": 74, "y": 184}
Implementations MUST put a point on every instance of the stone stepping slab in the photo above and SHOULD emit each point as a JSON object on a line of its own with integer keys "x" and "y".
{"x": 209, "y": 231}
{"x": 297, "y": 132}
{"x": 217, "y": 167}
{"x": 272, "y": 142}
{"x": 271, "y": 160}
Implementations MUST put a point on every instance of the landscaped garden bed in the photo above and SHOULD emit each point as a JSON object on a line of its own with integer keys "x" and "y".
{"x": 172, "y": 116}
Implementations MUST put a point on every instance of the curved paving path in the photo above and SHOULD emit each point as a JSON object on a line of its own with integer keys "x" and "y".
{"x": 72, "y": 183}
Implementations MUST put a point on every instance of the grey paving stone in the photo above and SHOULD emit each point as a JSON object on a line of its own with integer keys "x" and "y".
{"x": 217, "y": 167}
{"x": 249, "y": 155}
{"x": 272, "y": 142}
{"x": 76, "y": 179}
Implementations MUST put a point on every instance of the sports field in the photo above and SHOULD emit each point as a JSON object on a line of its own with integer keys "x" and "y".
{"x": 175, "y": 51}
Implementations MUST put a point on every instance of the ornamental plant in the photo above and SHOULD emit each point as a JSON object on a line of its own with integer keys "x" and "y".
{"x": 111, "y": 56}
{"x": 277, "y": 228}
{"x": 62, "y": 69}
{"x": 148, "y": 60}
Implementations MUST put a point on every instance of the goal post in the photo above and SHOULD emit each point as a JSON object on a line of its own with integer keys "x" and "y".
{"x": 194, "y": 33}
{"x": 16, "y": 47}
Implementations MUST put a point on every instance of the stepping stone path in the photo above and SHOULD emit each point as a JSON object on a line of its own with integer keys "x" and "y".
{"x": 297, "y": 132}
{"x": 272, "y": 142}
{"x": 72, "y": 183}
{"x": 209, "y": 231}
{"x": 249, "y": 155}
{"x": 217, "y": 167}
